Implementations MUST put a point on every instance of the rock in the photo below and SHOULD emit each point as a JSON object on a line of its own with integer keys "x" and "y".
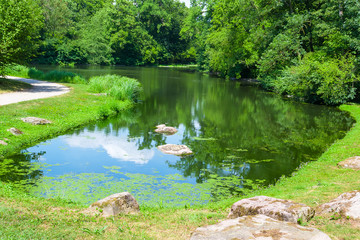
{"x": 3, "y": 143}
{"x": 258, "y": 227}
{"x": 283, "y": 210}
{"x": 347, "y": 204}
{"x": 115, "y": 204}
{"x": 36, "y": 121}
{"x": 15, "y": 131}
{"x": 165, "y": 129}
{"x": 353, "y": 162}
{"x": 178, "y": 150}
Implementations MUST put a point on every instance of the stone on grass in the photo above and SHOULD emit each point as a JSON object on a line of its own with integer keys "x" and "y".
{"x": 353, "y": 162}
{"x": 347, "y": 205}
{"x": 162, "y": 128}
{"x": 283, "y": 210}
{"x": 36, "y": 121}
{"x": 258, "y": 227}
{"x": 3, "y": 143}
{"x": 178, "y": 150}
{"x": 15, "y": 131}
{"x": 115, "y": 204}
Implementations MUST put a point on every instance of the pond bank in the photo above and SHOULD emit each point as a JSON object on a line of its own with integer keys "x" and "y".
{"x": 315, "y": 183}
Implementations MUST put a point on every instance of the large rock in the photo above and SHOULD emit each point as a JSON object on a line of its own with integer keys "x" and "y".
{"x": 115, "y": 204}
{"x": 165, "y": 129}
{"x": 36, "y": 121}
{"x": 178, "y": 150}
{"x": 353, "y": 162}
{"x": 258, "y": 227}
{"x": 15, "y": 131}
{"x": 283, "y": 210}
{"x": 347, "y": 204}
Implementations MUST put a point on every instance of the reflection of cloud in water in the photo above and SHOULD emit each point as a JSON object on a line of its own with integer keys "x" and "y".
{"x": 116, "y": 147}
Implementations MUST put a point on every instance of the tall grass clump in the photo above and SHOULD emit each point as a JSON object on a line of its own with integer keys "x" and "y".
{"x": 122, "y": 88}
{"x": 53, "y": 76}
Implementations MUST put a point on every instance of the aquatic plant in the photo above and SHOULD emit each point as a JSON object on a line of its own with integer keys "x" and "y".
{"x": 122, "y": 88}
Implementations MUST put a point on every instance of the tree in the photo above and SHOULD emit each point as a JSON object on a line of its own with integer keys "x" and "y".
{"x": 20, "y": 23}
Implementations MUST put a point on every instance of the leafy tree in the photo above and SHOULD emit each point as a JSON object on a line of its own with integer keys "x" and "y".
{"x": 20, "y": 22}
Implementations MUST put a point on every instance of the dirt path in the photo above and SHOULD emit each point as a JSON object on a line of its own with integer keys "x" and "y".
{"x": 39, "y": 90}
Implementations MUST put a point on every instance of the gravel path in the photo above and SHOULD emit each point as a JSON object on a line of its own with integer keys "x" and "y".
{"x": 39, "y": 90}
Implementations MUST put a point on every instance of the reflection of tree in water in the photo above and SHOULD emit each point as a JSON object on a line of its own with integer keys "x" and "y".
{"x": 257, "y": 135}
{"x": 20, "y": 168}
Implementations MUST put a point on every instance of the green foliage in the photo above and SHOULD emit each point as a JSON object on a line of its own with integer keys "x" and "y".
{"x": 20, "y": 22}
{"x": 318, "y": 79}
{"x": 122, "y": 88}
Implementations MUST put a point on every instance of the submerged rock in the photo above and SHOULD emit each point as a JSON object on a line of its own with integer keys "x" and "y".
{"x": 283, "y": 210}
{"x": 258, "y": 227}
{"x": 178, "y": 150}
{"x": 353, "y": 162}
{"x": 347, "y": 204}
{"x": 165, "y": 129}
{"x": 36, "y": 121}
{"x": 15, "y": 131}
{"x": 115, "y": 204}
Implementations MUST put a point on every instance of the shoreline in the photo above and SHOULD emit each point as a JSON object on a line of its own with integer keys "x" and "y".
{"x": 314, "y": 183}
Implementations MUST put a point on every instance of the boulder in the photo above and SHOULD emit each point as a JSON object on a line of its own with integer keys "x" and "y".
{"x": 347, "y": 205}
{"x": 36, "y": 121}
{"x": 15, "y": 131}
{"x": 178, "y": 150}
{"x": 3, "y": 143}
{"x": 353, "y": 162}
{"x": 165, "y": 129}
{"x": 283, "y": 210}
{"x": 115, "y": 204}
{"x": 258, "y": 227}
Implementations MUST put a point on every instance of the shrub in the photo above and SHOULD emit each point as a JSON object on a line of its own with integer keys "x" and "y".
{"x": 317, "y": 79}
{"x": 64, "y": 77}
{"x": 17, "y": 70}
{"x": 122, "y": 88}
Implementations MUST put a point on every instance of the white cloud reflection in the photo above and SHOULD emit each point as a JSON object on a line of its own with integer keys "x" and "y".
{"x": 115, "y": 147}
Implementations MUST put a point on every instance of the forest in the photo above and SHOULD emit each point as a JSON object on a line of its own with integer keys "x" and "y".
{"x": 307, "y": 50}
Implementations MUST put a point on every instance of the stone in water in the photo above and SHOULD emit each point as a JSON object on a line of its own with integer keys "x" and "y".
{"x": 165, "y": 129}
{"x": 178, "y": 150}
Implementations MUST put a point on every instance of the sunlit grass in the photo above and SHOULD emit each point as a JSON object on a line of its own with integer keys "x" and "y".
{"x": 122, "y": 88}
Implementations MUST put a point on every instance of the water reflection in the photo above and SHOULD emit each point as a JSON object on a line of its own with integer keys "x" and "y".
{"x": 240, "y": 135}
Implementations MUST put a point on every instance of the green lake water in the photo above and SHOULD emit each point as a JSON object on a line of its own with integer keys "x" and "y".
{"x": 242, "y": 138}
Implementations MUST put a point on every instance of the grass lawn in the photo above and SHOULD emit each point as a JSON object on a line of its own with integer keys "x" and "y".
{"x": 12, "y": 86}
{"x": 26, "y": 217}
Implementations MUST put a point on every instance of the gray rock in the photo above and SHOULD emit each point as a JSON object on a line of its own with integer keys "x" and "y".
{"x": 36, "y": 121}
{"x": 115, "y": 204}
{"x": 3, "y": 143}
{"x": 258, "y": 227}
{"x": 347, "y": 204}
{"x": 15, "y": 131}
{"x": 178, "y": 150}
{"x": 165, "y": 129}
{"x": 283, "y": 210}
{"x": 353, "y": 162}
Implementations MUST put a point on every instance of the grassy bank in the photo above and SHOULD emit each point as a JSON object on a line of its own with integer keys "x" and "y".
{"x": 28, "y": 217}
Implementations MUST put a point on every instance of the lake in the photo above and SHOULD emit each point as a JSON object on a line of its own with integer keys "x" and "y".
{"x": 242, "y": 138}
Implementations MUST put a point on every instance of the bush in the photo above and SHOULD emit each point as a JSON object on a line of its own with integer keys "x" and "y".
{"x": 17, "y": 70}
{"x": 119, "y": 87}
{"x": 64, "y": 77}
{"x": 317, "y": 79}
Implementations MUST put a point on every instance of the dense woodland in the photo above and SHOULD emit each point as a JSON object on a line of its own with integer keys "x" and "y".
{"x": 306, "y": 49}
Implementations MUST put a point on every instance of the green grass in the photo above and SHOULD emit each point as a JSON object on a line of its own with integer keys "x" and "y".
{"x": 7, "y": 86}
{"x": 28, "y": 217}
{"x": 53, "y": 76}
{"x": 122, "y": 88}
